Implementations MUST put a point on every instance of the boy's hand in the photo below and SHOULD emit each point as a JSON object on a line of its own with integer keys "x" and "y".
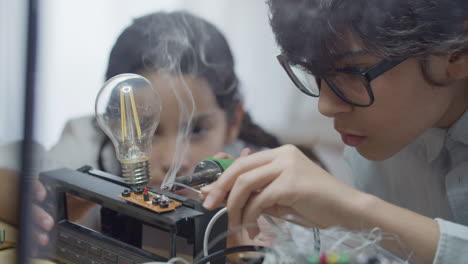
{"x": 279, "y": 182}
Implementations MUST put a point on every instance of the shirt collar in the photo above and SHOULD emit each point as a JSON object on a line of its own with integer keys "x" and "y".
{"x": 435, "y": 138}
{"x": 433, "y": 141}
{"x": 459, "y": 130}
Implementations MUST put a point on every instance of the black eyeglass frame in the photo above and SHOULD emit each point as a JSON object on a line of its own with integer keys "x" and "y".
{"x": 367, "y": 75}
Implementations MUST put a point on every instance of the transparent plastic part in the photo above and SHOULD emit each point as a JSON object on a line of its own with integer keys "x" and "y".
{"x": 128, "y": 110}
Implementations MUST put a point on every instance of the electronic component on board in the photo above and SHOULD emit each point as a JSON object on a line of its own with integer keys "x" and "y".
{"x": 162, "y": 206}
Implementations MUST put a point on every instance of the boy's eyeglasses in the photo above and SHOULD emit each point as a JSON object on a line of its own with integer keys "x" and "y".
{"x": 352, "y": 86}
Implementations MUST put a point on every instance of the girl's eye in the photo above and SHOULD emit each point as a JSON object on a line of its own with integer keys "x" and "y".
{"x": 198, "y": 130}
{"x": 195, "y": 129}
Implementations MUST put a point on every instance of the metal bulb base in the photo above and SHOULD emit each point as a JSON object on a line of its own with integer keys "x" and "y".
{"x": 136, "y": 174}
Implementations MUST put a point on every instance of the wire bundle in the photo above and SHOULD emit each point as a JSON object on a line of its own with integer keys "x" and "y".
{"x": 297, "y": 244}
{"x": 338, "y": 246}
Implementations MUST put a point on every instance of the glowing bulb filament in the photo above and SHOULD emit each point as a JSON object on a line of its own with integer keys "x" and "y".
{"x": 126, "y": 93}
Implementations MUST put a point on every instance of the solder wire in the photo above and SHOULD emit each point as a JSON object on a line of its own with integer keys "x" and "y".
{"x": 187, "y": 187}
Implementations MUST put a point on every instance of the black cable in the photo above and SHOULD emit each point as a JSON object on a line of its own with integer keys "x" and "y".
{"x": 317, "y": 240}
{"x": 224, "y": 252}
{"x": 25, "y": 244}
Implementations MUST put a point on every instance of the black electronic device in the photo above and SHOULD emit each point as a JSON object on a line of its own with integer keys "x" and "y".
{"x": 77, "y": 244}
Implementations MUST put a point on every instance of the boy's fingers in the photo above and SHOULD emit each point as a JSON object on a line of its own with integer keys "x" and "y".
{"x": 206, "y": 189}
{"x": 220, "y": 188}
{"x": 267, "y": 198}
{"x": 223, "y": 185}
{"x": 247, "y": 187}
{"x": 222, "y": 155}
{"x": 245, "y": 152}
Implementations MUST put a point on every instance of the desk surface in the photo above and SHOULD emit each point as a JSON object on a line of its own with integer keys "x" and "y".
{"x": 9, "y": 255}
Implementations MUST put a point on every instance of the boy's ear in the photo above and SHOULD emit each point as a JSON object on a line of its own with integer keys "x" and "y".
{"x": 457, "y": 67}
{"x": 234, "y": 126}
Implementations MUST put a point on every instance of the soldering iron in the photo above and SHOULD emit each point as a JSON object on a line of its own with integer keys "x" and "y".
{"x": 207, "y": 171}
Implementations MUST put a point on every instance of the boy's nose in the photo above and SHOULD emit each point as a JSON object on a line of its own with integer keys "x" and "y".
{"x": 329, "y": 103}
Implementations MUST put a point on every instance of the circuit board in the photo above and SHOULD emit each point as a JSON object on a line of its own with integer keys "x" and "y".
{"x": 138, "y": 199}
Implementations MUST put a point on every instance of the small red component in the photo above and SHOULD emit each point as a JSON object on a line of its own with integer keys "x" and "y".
{"x": 323, "y": 259}
{"x": 145, "y": 190}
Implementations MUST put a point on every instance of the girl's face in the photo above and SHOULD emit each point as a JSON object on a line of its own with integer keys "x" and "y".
{"x": 405, "y": 106}
{"x": 209, "y": 128}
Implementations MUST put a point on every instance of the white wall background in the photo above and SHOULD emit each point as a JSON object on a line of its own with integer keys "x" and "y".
{"x": 76, "y": 38}
{"x": 13, "y": 26}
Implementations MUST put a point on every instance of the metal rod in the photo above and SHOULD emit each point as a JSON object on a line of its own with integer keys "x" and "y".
{"x": 197, "y": 178}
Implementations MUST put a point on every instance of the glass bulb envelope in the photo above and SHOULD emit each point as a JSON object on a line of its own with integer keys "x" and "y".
{"x": 128, "y": 110}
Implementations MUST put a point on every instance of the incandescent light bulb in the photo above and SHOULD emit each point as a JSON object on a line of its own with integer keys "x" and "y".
{"x": 128, "y": 109}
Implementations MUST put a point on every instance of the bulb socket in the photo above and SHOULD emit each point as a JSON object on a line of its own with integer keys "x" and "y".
{"x": 136, "y": 174}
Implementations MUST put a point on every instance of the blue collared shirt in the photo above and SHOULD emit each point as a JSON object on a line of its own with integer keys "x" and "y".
{"x": 430, "y": 177}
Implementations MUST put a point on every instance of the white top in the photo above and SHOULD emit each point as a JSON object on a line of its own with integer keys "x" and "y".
{"x": 430, "y": 177}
